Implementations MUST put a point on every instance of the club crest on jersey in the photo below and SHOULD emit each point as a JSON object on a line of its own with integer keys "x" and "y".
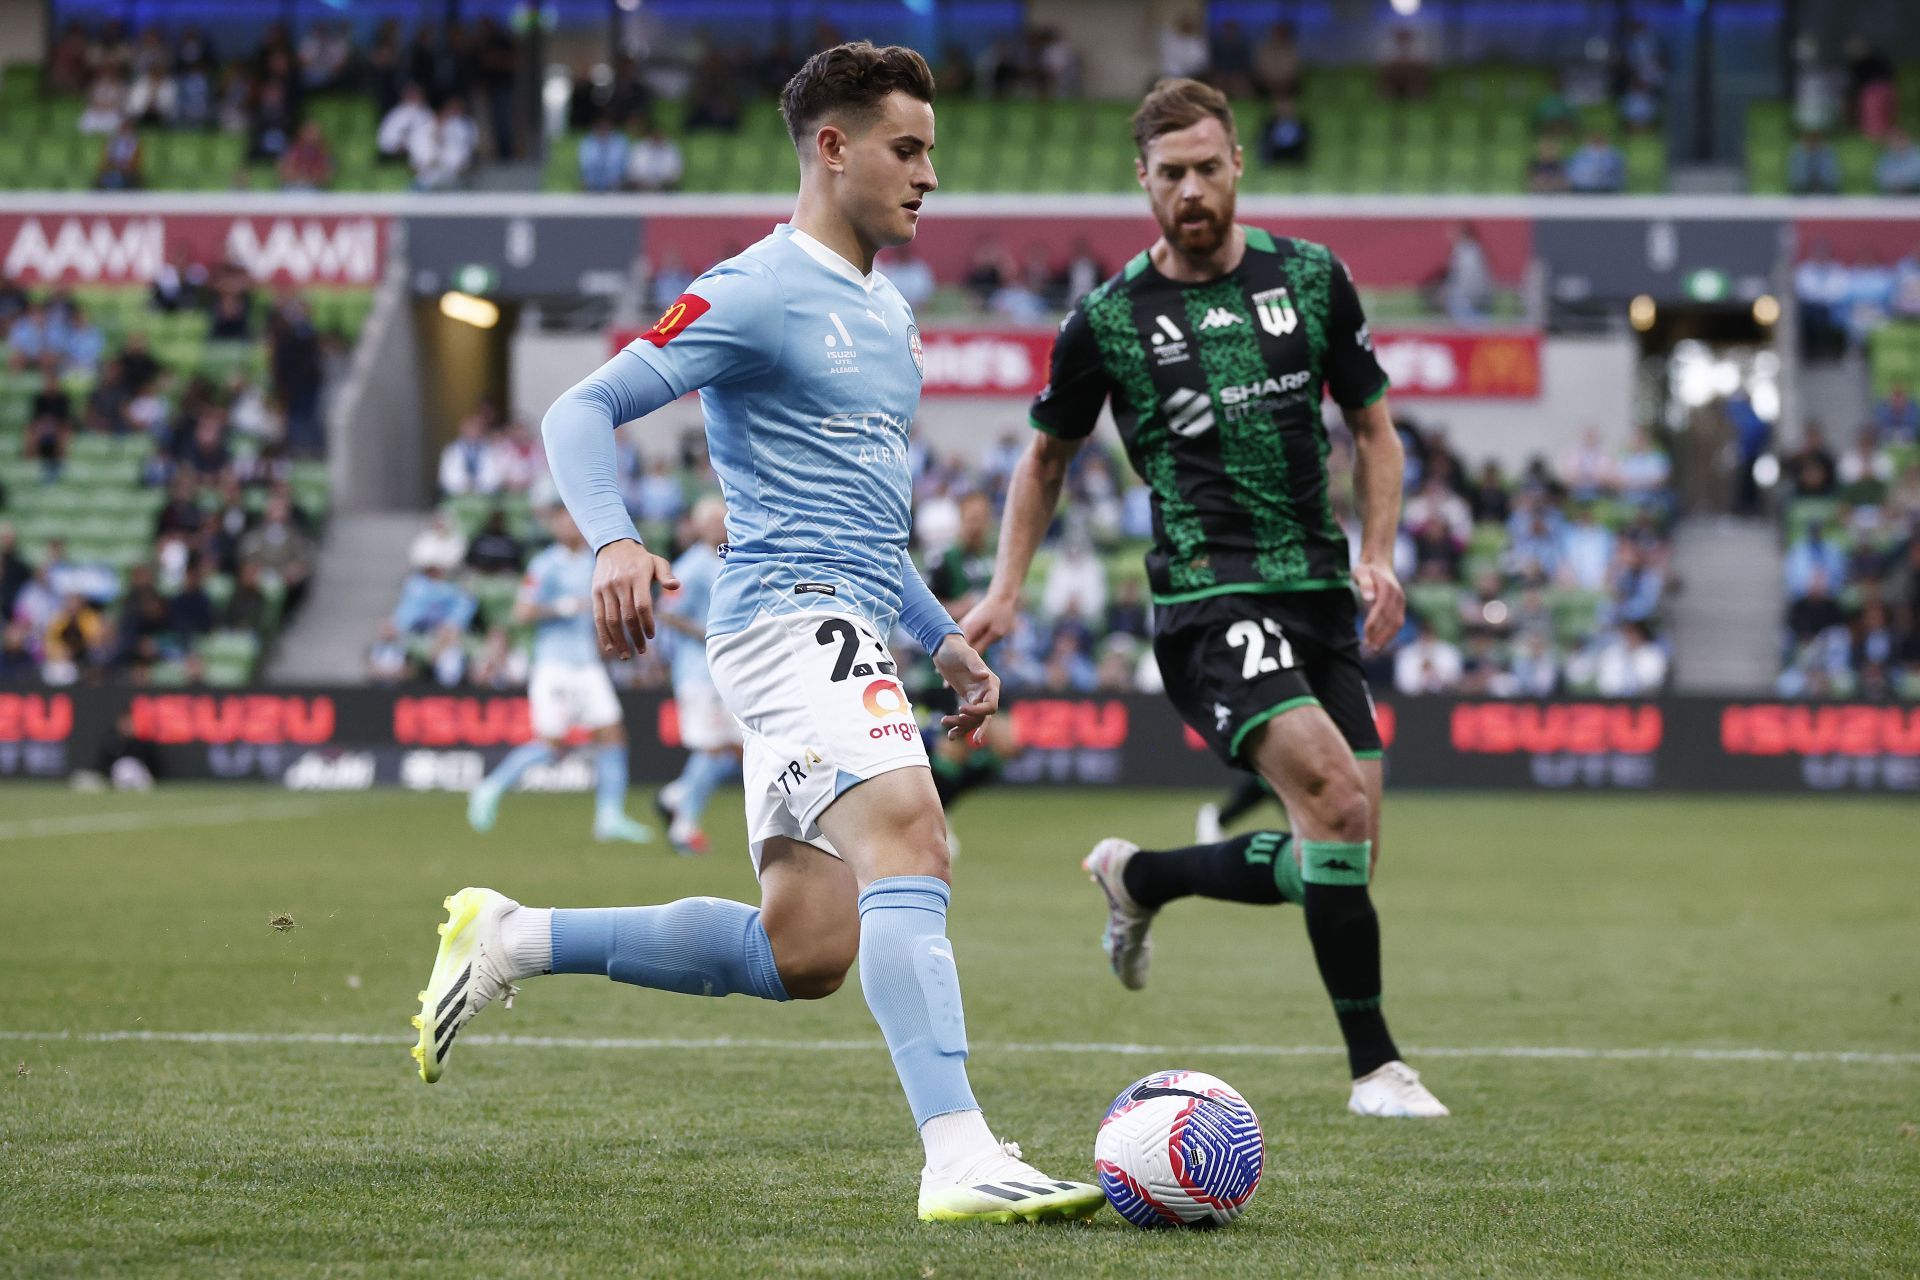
{"x": 673, "y": 322}
{"x": 918, "y": 352}
{"x": 1275, "y": 309}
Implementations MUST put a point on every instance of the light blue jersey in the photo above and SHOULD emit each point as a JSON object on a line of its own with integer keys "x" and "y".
{"x": 697, "y": 569}
{"x": 809, "y": 374}
{"x": 554, "y": 575}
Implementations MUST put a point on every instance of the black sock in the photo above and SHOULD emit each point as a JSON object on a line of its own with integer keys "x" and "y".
{"x": 1345, "y": 932}
{"x": 1249, "y": 868}
{"x": 954, "y": 778}
{"x": 1249, "y": 795}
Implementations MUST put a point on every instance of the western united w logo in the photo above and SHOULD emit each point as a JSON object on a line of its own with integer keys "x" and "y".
{"x": 1276, "y": 312}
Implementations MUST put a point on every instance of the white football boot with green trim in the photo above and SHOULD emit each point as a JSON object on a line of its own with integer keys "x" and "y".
{"x": 469, "y": 973}
{"x": 1126, "y": 943}
{"x": 1002, "y": 1187}
{"x": 1394, "y": 1089}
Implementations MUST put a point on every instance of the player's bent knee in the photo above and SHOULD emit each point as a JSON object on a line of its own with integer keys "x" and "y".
{"x": 813, "y": 968}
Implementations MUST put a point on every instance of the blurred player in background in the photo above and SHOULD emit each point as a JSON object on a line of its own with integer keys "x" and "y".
{"x": 567, "y": 689}
{"x": 1249, "y": 792}
{"x": 707, "y": 729}
{"x": 958, "y": 579}
{"x": 809, "y": 366}
{"x": 1215, "y": 347}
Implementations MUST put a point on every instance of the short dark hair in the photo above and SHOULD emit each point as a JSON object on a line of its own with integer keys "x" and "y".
{"x": 850, "y": 80}
{"x": 1179, "y": 104}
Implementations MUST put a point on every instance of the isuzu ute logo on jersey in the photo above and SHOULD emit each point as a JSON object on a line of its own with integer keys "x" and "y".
{"x": 673, "y": 322}
{"x": 1275, "y": 309}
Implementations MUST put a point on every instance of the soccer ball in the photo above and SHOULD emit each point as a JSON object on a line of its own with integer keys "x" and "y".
{"x": 1179, "y": 1149}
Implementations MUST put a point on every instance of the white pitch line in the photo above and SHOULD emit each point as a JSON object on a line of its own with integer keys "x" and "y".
{"x": 82, "y": 824}
{"x": 1170, "y": 1051}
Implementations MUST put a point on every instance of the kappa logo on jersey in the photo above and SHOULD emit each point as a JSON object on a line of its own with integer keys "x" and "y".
{"x": 1189, "y": 413}
{"x": 1275, "y": 309}
{"x": 1219, "y": 318}
{"x": 673, "y": 322}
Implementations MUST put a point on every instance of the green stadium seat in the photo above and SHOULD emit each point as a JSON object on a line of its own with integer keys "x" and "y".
{"x": 1646, "y": 156}
{"x": 1857, "y": 158}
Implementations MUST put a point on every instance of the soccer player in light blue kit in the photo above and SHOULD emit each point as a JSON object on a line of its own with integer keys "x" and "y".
{"x": 707, "y": 729}
{"x": 567, "y": 688}
{"x": 808, "y": 368}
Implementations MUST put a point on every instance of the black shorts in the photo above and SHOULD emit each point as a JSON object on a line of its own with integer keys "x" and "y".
{"x": 1232, "y": 662}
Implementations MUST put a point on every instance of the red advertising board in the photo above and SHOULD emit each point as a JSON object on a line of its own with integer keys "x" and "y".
{"x": 1422, "y": 363}
{"x": 94, "y": 249}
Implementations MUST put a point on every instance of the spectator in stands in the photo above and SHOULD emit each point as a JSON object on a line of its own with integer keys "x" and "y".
{"x": 270, "y": 124}
{"x": 1428, "y": 664}
{"x": 429, "y": 600}
{"x": 67, "y": 67}
{"x": 494, "y": 549}
{"x": 295, "y": 360}
{"x": 393, "y": 142}
{"x": 441, "y": 542}
{"x": 447, "y": 658}
{"x": 1812, "y": 166}
{"x": 13, "y": 301}
{"x": 1870, "y": 88}
{"x": 603, "y": 158}
{"x": 152, "y": 99}
{"x": 670, "y": 279}
{"x": 278, "y": 545}
{"x": 991, "y": 267}
{"x": 1896, "y": 415}
{"x": 910, "y": 275}
{"x": 246, "y": 608}
{"x": 1811, "y": 554}
{"x": 1897, "y": 173}
{"x": 35, "y": 334}
{"x": 499, "y": 664}
{"x": 232, "y": 312}
{"x": 77, "y": 636}
{"x": 1645, "y": 473}
{"x": 144, "y": 629}
{"x": 1439, "y": 506}
{"x": 469, "y": 464}
{"x": 1630, "y": 664}
{"x": 1076, "y": 581}
{"x": 1056, "y": 64}
{"x": 18, "y": 665}
{"x": 207, "y": 454}
{"x": 324, "y": 54}
{"x": 1597, "y": 166}
{"x": 1534, "y": 666}
{"x": 1487, "y": 498}
{"x": 106, "y": 105}
{"x": 1546, "y": 171}
{"x": 496, "y": 63}
{"x": 1588, "y": 469}
{"x": 51, "y": 400}
{"x": 1276, "y": 64}
{"x": 190, "y": 611}
{"x": 1232, "y": 58}
{"x": 654, "y": 162}
{"x": 522, "y": 459}
{"x": 35, "y": 603}
{"x": 1639, "y": 107}
{"x": 953, "y": 78}
{"x": 442, "y": 155}
{"x": 1406, "y": 70}
{"x": 1284, "y": 137}
{"x": 717, "y": 104}
{"x": 85, "y": 343}
{"x": 307, "y": 163}
{"x": 15, "y": 572}
{"x": 387, "y": 660}
{"x": 1865, "y": 469}
{"x": 46, "y": 441}
{"x": 1183, "y": 49}
{"x": 1586, "y": 551}
{"x": 178, "y": 284}
{"x": 194, "y": 97}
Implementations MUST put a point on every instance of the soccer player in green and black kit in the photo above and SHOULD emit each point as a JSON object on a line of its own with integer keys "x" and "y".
{"x": 1215, "y": 347}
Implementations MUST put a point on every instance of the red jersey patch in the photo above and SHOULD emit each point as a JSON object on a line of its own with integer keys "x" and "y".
{"x": 687, "y": 308}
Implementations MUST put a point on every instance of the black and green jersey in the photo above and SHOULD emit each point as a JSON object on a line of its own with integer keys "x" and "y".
{"x": 960, "y": 573}
{"x": 1216, "y": 389}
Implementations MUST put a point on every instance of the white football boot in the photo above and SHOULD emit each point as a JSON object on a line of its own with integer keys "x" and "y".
{"x": 1394, "y": 1090}
{"x": 469, "y": 973}
{"x": 1126, "y": 943}
{"x": 1002, "y": 1187}
{"x": 1206, "y": 825}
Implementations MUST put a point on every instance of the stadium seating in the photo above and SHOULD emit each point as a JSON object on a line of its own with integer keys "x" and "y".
{"x": 1770, "y": 136}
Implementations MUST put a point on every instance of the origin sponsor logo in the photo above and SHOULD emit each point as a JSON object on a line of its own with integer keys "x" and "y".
{"x": 885, "y": 699}
{"x": 330, "y": 771}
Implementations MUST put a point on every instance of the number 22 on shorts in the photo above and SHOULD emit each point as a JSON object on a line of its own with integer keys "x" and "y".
{"x": 1255, "y": 662}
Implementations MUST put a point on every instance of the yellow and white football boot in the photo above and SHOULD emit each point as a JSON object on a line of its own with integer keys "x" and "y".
{"x": 469, "y": 973}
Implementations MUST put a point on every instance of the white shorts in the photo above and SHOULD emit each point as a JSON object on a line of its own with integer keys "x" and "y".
{"x": 562, "y": 697}
{"x": 705, "y": 722}
{"x": 809, "y": 736}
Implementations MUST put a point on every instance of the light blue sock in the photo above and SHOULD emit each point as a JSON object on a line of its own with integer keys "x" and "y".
{"x": 704, "y": 773}
{"x": 696, "y": 946}
{"x": 526, "y": 756}
{"x": 610, "y": 781}
{"x": 907, "y": 972}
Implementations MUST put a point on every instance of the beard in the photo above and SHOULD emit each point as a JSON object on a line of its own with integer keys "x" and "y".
{"x": 1202, "y": 239}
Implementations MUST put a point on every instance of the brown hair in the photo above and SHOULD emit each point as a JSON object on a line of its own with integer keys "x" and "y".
{"x": 1179, "y": 104}
{"x": 849, "y": 80}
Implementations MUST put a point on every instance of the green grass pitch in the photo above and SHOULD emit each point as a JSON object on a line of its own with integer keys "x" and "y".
{"x": 304, "y": 1145}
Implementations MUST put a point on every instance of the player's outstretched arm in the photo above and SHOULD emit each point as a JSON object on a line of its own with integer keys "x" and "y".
{"x": 977, "y": 687}
{"x": 1379, "y": 462}
{"x": 578, "y": 430}
{"x": 1033, "y": 495}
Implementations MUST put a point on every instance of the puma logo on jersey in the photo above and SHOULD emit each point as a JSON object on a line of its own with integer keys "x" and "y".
{"x": 1219, "y": 318}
